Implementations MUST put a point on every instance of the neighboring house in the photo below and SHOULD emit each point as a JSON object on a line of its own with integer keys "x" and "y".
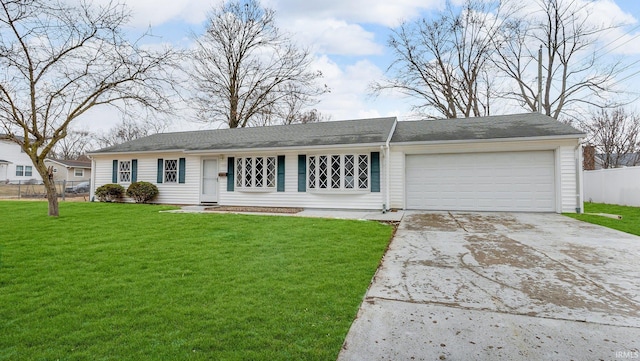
{"x": 595, "y": 161}
{"x": 525, "y": 162}
{"x": 623, "y": 160}
{"x": 15, "y": 164}
{"x": 69, "y": 170}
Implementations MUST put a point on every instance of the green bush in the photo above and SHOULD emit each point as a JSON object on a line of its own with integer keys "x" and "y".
{"x": 109, "y": 192}
{"x": 142, "y": 192}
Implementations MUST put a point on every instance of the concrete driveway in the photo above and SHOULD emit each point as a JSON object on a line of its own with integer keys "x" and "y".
{"x": 509, "y": 286}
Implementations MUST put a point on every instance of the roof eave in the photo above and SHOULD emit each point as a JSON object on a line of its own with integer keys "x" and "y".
{"x": 289, "y": 148}
{"x": 239, "y": 150}
{"x": 513, "y": 139}
{"x": 136, "y": 152}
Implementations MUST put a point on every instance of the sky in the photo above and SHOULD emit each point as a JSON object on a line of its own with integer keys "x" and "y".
{"x": 348, "y": 41}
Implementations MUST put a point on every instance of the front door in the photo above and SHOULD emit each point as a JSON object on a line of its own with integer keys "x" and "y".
{"x": 209, "y": 190}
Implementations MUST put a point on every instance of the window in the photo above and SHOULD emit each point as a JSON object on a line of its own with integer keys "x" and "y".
{"x": 19, "y": 171}
{"x": 78, "y": 172}
{"x": 256, "y": 172}
{"x": 171, "y": 171}
{"x": 124, "y": 171}
{"x": 28, "y": 171}
{"x": 348, "y": 171}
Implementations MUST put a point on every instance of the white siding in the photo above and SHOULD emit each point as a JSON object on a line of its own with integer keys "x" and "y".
{"x": 12, "y": 153}
{"x": 170, "y": 193}
{"x": 569, "y": 193}
{"x": 396, "y": 179}
{"x": 189, "y": 192}
{"x": 309, "y": 199}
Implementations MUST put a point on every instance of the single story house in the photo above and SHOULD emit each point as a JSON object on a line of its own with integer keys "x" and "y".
{"x": 69, "y": 170}
{"x": 523, "y": 162}
{"x": 15, "y": 165}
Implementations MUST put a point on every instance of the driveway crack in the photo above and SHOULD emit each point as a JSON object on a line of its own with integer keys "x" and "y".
{"x": 457, "y": 222}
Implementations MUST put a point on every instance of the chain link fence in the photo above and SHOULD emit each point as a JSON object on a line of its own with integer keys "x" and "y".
{"x": 35, "y": 189}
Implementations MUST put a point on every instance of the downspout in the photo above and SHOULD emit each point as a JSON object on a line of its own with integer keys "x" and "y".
{"x": 579, "y": 171}
{"x": 387, "y": 167}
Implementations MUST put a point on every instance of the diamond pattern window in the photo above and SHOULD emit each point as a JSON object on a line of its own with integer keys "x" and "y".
{"x": 256, "y": 172}
{"x": 338, "y": 172}
{"x": 171, "y": 171}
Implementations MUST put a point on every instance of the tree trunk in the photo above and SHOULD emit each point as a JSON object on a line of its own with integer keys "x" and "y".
{"x": 52, "y": 197}
{"x": 49, "y": 185}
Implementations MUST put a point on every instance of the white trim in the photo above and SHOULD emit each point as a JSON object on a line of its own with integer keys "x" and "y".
{"x": 301, "y": 149}
{"x": 489, "y": 140}
{"x": 136, "y": 152}
{"x": 214, "y": 152}
{"x": 580, "y": 180}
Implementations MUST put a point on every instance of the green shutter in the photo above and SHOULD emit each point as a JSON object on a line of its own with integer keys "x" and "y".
{"x": 182, "y": 168}
{"x": 302, "y": 172}
{"x": 280, "y": 182}
{"x": 375, "y": 171}
{"x": 114, "y": 173}
{"x": 230, "y": 174}
{"x": 134, "y": 170}
{"x": 160, "y": 170}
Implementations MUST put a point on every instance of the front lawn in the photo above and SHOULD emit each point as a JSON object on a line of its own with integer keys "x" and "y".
{"x": 125, "y": 282}
{"x": 629, "y": 223}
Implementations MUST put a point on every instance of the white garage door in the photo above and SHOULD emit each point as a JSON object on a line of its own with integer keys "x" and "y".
{"x": 506, "y": 181}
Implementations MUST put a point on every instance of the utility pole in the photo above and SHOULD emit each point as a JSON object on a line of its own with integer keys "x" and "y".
{"x": 540, "y": 79}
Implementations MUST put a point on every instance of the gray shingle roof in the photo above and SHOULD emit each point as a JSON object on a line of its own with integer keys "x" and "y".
{"x": 493, "y": 127}
{"x": 362, "y": 131}
{"x": 350, "y": 132}
{"x": 72, "y": 163}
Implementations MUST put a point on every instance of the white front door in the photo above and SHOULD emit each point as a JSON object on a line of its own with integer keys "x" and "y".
{"x": 209, "y": 188}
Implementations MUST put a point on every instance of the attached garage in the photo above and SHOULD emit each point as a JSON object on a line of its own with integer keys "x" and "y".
{"x": 522, "y": 162}
{"x": 500, "y": 181}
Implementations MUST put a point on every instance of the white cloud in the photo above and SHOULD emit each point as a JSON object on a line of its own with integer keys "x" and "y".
{"x": 157, "y": 12}
{"x": 331, "y": 36}
{"x": 349, "y": 97}
{"x": 381, "y": 12}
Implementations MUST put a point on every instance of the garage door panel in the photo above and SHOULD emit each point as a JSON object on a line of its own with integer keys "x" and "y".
{"x": 506, "y": 181}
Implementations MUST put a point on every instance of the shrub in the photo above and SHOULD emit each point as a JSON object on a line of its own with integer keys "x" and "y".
{"x": 109, "y": 192}
{"x": 142, "y": 192}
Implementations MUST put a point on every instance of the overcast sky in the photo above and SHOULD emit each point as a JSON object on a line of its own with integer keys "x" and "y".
{"x": 347, "y": 38}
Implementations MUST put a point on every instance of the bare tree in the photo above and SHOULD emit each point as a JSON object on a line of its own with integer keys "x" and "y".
{"x": 60, "y": 60}
{"x": 444, "y": 62}
{"x": 615, "y": 135}
{"x": 73, "y": 146}
{"x": 244, "y": 65}
{"x": 572, "y": 74}
{"x": 129, "y": 129}
{"x": 293, "y": 107}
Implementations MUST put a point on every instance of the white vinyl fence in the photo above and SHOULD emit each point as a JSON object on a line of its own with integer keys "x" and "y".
{"x": 613, "y": 186}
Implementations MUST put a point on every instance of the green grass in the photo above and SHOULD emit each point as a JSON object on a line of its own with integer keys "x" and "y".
{"x": 629, "y": 223}
{"x": 125, "y": 282}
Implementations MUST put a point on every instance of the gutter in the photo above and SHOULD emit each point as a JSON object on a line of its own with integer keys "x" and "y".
{"x": 493, "y": 140}
{"x": 242, "y": 150}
